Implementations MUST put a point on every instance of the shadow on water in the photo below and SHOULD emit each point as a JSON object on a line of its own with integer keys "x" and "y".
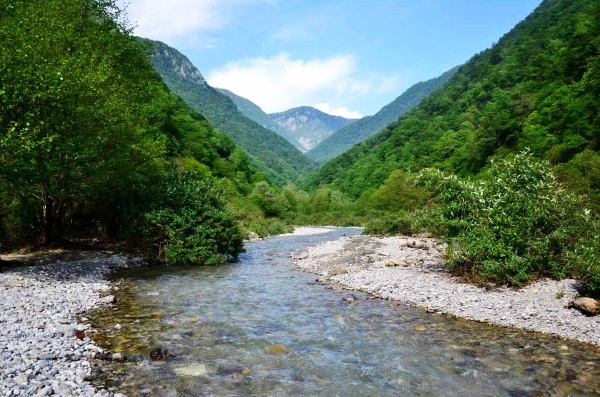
{"x": 259, "y": 328}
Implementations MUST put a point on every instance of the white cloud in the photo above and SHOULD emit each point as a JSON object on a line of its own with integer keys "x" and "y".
{"x": 170, "y": 19}
{"x": 281, "y": 82}
{"x": 338, "y": 111}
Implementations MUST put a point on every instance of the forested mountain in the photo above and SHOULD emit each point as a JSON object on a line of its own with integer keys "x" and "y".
{"x": 270, "y": 153}
{"x": 537, "y": 88}
{"x": 343, "y": 139}
{"x": 254, "y": 112}
{"x": 306, "y": 126}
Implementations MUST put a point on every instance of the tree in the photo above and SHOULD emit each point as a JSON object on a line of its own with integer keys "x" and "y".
{"x": 76, "y": 99}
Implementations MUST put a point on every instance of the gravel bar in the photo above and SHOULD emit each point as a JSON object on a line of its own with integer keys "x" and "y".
{"x": 43, "y": 347}
{"x": 411, "y": 270}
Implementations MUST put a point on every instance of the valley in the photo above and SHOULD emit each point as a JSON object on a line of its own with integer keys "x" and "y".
{"x": 156, "y": 231}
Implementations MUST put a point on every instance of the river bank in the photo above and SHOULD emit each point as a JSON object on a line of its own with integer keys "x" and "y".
{"x": 411, "y": 271}
{"x": 44, "y": 349}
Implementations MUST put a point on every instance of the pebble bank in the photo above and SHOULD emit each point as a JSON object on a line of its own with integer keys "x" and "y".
{"x": 44, "y": 349}
{"x": 411, "y": 270}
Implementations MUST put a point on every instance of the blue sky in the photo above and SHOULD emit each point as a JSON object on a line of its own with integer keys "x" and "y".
{"x": 348, "y": 57}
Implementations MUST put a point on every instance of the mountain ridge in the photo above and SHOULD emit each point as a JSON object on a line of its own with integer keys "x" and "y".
{"x": 271, "y": 154}
{"x": 346, "y": 137}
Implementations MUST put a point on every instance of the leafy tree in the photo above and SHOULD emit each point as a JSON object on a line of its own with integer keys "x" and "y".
{"x": 191, "y": 225}
{"x": 69, "y": 74}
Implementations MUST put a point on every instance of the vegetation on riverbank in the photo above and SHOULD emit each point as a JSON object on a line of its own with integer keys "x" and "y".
{"x": 93, "y": 145}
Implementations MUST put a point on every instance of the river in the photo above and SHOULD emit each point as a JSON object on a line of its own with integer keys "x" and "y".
{"x": 258, "y": 327}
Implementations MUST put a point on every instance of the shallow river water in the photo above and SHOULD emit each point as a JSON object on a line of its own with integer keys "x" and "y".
{"x": 260, "y": 328}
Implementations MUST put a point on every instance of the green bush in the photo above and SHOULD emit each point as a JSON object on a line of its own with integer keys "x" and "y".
{"x": 191, "y": 225}
{"x": 515, "y": 224}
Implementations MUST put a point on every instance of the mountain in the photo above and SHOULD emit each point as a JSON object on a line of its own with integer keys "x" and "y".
{"x": 346, "y": 137}
{"x": 537, "y": 88}
{"x": 254, "y": 112}
{"x": 306, "y": 126}
{"x": 271, "y": 154}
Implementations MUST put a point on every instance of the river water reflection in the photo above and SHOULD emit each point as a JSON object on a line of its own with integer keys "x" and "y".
{"x": 260, "y": 328}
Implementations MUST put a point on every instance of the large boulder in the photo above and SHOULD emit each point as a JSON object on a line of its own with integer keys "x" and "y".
{"x": 587, "y": 306}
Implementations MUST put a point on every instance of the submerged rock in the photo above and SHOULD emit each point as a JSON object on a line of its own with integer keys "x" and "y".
{"x": 195, "y": 369}
{"x": 277, "y": 349}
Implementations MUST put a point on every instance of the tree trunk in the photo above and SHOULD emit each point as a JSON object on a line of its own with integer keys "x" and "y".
{"x": 51, "y": 213}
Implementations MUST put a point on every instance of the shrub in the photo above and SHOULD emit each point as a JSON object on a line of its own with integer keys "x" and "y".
{"x": 191, "y": 225}
{"x": 513, "y": 225}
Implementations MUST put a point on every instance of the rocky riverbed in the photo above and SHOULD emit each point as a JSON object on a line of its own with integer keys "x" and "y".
{"x": 44, "y": 349}
{"x": 411, "y": 270}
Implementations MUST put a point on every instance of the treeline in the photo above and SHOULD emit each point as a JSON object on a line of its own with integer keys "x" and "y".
{"x": 92, "y": 143}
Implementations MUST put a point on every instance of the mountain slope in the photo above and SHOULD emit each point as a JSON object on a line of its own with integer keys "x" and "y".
{"x": 538, "y": 88}
{"x": 271, "y": 154}
{"x": 346, "y": 137}
{"x": 306, "y": 126}
{"x": 253, "y": 112}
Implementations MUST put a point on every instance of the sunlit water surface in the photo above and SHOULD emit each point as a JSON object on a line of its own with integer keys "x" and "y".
{"x": 261, "y": 328}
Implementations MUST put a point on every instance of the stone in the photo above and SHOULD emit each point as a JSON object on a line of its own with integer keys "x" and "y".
{"x": 587, "y": 306}
{"x": 118, "y": 357}
{"x": 20, "y": 379}
{"x": 191, "y": 370}
{"x": 44, "y": 391}
{"x": 108, "y": 300}
{"x": 277, "y": 349}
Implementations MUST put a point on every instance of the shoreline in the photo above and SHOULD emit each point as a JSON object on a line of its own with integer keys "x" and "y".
{"x": 43, "y": 346}
{"x": 411, "y": 270}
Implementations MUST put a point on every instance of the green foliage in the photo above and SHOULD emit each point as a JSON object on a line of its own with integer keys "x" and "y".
{"x": 191, "y": 225}
{"x": 514, "y": 224}
{"x": 88, "y": 132}
{"x": 536, "y": 88}
{"x": 398, "y": 193}
{"x": 268, "y": 200}
{"x": 75, "y": 94}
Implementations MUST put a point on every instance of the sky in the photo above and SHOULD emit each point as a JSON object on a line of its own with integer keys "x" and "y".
{"x": 345, "y": 57}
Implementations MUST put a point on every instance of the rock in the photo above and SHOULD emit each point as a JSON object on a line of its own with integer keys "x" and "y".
{"x": 421, "y": 328}
{"x": 20, "y": 379}
{"x": 108, "y": 300}
{"x": 160, "y": 354}
{"x": 44, "y": 391}
{"x": 277, "y": 349}
{"x": 195, "y": 369}
{"x": 118, "y": 357}
{"x": 246, "y": 371}
{"x": 587, "y": 306}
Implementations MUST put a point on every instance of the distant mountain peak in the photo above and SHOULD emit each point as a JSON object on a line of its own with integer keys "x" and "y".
{"x": 307, "y": 127}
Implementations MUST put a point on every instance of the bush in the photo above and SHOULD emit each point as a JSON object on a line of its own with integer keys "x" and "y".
{"x": 514, "y": 225}
{"x": 191, "y": 224}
